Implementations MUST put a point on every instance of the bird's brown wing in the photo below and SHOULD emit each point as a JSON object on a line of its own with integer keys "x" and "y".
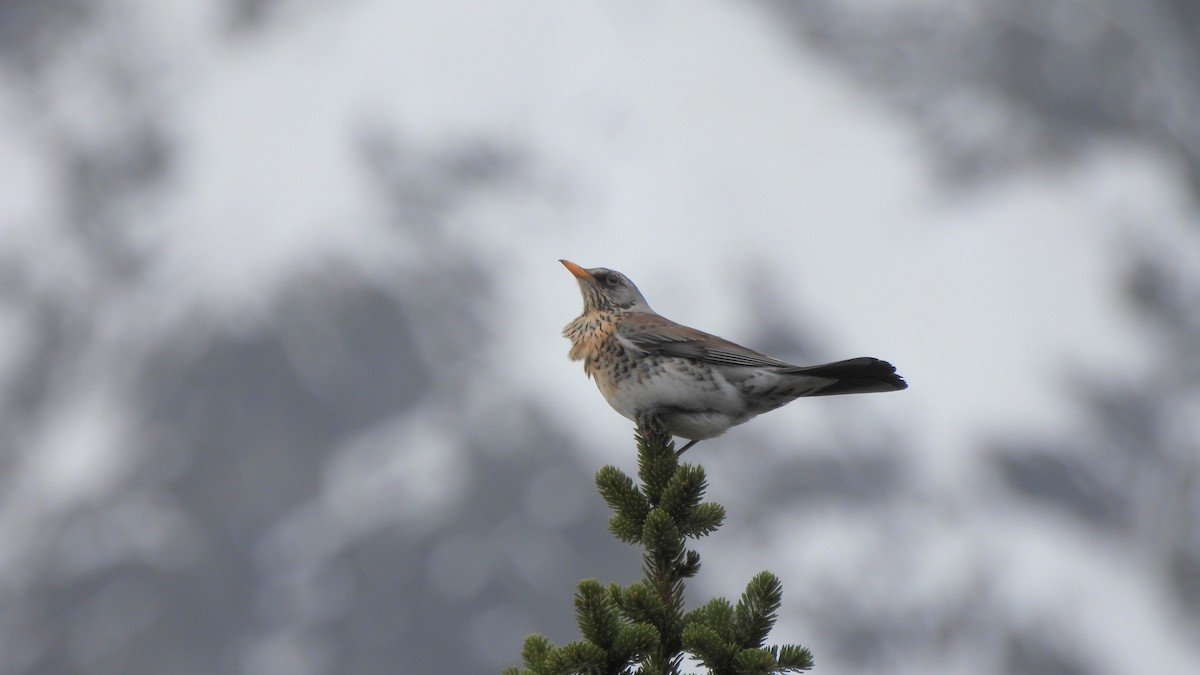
{"x": 652, "y": 334}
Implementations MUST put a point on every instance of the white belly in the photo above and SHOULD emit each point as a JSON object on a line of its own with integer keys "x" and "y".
{"x": 699, "y": 426}
{"x": 694, "y": 401}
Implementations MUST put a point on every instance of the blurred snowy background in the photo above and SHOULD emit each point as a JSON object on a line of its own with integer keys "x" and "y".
{"x": 282, "y": 389}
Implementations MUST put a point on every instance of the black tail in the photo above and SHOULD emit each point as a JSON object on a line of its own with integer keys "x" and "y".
{"x": 854, "y": 376}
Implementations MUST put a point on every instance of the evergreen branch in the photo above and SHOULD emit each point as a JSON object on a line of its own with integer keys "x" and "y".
{"x": 755, "y": 612}
{"x": 534, "y": 652}
{"x": 754, "y": 662}
{"x": 690, "y": 565}
{"x": 629, "y": 505}
{"x": 793, "y": 657}
{"x": 703, "y": 520}
{"x": 596, "y": 614}
{"x": 663, "y": 542}
{"x": 683, "y": 492}
{"x": 578, "y": 657}
{"x": 635, "y": 643}
{"x": 656, "y": 457}
{"x": 717, "y": 615}
{"x": 643, "y": 625}
{"x": 702, "y": 641}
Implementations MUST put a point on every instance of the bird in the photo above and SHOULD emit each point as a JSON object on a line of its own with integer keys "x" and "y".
{"x": 698, "y": 385}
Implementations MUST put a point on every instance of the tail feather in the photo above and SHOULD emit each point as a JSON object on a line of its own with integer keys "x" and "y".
{"x": 853, "y": 376}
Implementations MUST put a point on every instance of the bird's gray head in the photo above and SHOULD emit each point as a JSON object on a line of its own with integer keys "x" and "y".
{"x": 605, "y": 289}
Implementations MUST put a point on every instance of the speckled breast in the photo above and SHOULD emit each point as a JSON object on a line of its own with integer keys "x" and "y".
{"x": 594, "y": 342}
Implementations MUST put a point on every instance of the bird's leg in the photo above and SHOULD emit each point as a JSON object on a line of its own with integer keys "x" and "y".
{"x": 679, "y": 452}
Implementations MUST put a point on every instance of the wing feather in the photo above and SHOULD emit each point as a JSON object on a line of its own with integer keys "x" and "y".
{"x": 653, "y": 334}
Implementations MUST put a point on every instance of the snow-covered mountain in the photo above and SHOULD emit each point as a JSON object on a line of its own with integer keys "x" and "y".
{"x": 282, "y": 388}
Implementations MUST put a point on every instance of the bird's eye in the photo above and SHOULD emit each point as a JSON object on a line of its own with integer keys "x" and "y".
{"x": 612, "y": 280}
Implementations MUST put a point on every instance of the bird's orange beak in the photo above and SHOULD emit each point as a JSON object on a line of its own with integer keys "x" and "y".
{"x": 578, "y": 271}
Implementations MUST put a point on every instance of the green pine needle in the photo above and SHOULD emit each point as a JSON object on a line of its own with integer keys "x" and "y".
{"x": 689, "y": 566}
{"x": 619, "y": 492}
{"x": 717, "y": 614}
{"x": 656, "y": 457}
{"x": 794, "y": 657}
{"x": 663, "y": 542}
{"x": 755, "y": 612}
{"x": 577, "y": 657}
{"x": 626, "y": 529}
{"x": 629, "y": 505}
{"x": 702, "y": 520}
{"x": 754, "y": 662}
{"x": 641, "y": 629}
{"x": 534, "y": 652}
{"x": 706, "y": 645}
{"x": 639, "y": 604}
{"x": 596, "y": 614}
{"x": 683, "y": 491}
{"x": 635, "y": 642}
